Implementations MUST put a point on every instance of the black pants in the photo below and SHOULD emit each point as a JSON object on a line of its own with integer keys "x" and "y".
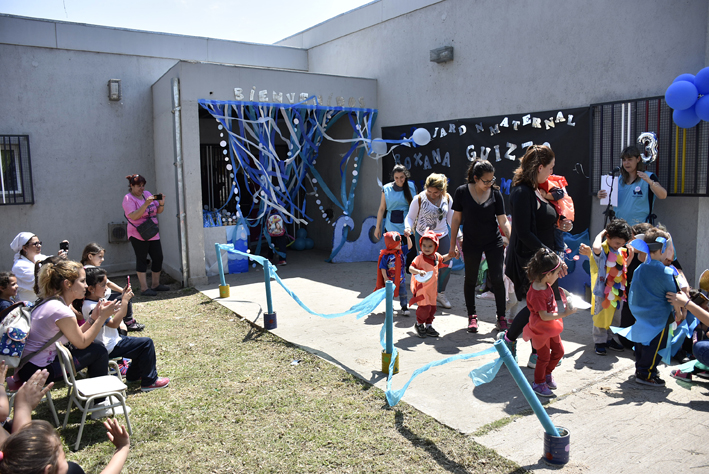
{"x": 281, "y": 242}
{"x": 647, "y": 357}
{"x": 144, "y": 247}
{"x": 626, "y": 320}
{"x": 522, "y": 318}
{"x": 495, "y": 258}
{"x": 94, "y": 357}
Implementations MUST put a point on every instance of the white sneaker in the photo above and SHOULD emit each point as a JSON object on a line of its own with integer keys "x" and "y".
{"x": 98, "y": 414}
{"x": 404, "y": 312}
{"x": 443, "y": 301}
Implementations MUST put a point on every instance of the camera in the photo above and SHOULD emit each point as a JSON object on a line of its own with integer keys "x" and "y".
{"x": 158, "y": 197}
{"x": 64, "y": 246}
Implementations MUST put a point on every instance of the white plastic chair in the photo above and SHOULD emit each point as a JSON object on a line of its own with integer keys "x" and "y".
{"x": 11, "y": 393}
{"x": 83, "y": 392}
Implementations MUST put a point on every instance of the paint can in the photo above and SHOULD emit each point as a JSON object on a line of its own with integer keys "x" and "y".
{"x": 270, "y": 321}
{"x": 386, "y": 360}
{"x": 556, "y": 448}
{"x": 224, "y": 291}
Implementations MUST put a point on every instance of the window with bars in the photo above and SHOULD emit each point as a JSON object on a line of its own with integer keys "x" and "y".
{"x": 682, "y": 154}
{"x": 15, "y": 170}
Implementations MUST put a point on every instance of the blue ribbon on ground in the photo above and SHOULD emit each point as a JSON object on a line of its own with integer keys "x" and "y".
{"x": 361, "y": 309}
{"x": 479, "y": 376}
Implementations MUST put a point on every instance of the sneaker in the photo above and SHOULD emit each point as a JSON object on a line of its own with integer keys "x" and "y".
{"x": 679, "y": 375}
{"x": 431, "y": 332}
{"x": 702, "y": 373}
{"x": 501, "y": 325}
{"x": 135, "y": 326}
{"x": 420, "y": 330}
{"x": 601, "y": 349}
{"x": 404, "y": 311}
{"x": 542, "y": 389}
{"x": 161, "y": 382}
{"x": 532, "y": 364}
{"x": 511, "y": 345}
{"x": 652, "y": 381}
{"x": 281, "y": 263}
{"x": 551, "y": 383}
{"x": 98, "y": 414}
{"x": 614, "y": 346}
{"x": 658, "y": 380}
{"x": 162, "y": 288}
{"x": 443, "y": 301}
{"x": 473, "y": 323}
{"x": 149, "y": 292}
{"x": 123, "y": 367}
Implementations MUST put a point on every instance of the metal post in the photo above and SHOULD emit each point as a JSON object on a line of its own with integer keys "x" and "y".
{"x": 526, "y": 389}
{"x": 389, "y": 321}
{"x": 179, "y": 182}
{"x": 223, "y": 287}
{"x": 269, "y": 319}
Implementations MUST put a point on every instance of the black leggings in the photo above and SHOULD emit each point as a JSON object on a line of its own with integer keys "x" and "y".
{"x": 522, "y": 317}
{"x": 144, "y": 247}
{"x": 495, "y": 258}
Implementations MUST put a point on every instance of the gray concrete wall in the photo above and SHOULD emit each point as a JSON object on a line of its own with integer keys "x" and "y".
{"x": 217, "y": 82}
{"x": 82, "y": 145}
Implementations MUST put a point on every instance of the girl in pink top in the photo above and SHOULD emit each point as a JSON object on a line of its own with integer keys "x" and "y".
{"x": 545, "y": 322}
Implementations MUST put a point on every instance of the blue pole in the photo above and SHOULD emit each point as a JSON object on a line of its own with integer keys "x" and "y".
{"x": 526, "y": 389}
{"x": 267, "y": 277}
{"x": 389, "y": 322}
{"x": 220, "y": 265}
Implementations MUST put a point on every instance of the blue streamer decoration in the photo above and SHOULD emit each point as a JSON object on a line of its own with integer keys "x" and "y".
{"x": 361, "y": 309}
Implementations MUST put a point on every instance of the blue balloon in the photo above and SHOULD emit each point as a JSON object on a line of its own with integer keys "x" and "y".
{"x": 301, "y": 233}
{"x": 686, "y": 118}
{"x": 681, "y": 95}
{"x": 309, "y": 244}
{"x": 701, "y": 108}
{"x": 701, "y": 81}
{"x": 685, "y": 77}
{"x": 299, "y": 244}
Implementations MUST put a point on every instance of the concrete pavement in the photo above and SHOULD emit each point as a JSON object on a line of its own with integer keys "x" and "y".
{"x": 615, "y": 424}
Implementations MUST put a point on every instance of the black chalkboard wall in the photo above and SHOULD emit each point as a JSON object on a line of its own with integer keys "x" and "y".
{"x": 504, "y": 140}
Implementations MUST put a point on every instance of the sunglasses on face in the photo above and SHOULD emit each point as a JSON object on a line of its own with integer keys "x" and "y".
{"x": 36, "y": 244}
{"x": 488, "y": 182}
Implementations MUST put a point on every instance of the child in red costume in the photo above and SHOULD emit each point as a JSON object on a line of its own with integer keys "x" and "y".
{"x": 391, "y": 267}
{"x": 424, "y": 293}
{"x": 545, "y": 324}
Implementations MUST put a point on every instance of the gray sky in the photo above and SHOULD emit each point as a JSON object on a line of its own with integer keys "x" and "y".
{"x": 262, "y": 21}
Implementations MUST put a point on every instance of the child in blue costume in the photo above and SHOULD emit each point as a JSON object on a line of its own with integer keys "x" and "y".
{"x": 648, "y": 303}
{"x": 391, "y": 266}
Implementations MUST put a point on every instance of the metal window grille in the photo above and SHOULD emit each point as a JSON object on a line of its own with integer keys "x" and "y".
{"x": 15, "y": 170}
{"x": 681, "y": 164}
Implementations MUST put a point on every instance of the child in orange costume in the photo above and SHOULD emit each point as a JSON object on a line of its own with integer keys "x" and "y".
{"x": 545, "y": 324}
{"x": 391, "y": 267}
{"x": 424, "y": 293}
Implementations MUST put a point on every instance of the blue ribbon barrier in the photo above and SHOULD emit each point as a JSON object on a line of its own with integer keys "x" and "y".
{"x": 361, "y": 309}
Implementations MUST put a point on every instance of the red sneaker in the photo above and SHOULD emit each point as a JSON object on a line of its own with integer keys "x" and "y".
{"x": 161, "y": 382}
{"x": 473, "y": 323}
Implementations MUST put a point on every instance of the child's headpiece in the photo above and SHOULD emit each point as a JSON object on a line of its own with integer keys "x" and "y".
{"x": 639, "y": 243}
{"x": 392, "y": 240}
{"x": 429, "y": 234}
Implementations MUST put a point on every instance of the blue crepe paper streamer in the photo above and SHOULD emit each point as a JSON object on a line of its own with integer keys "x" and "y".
{"x": 479, "y": 376}
{"x": 361, "y": 309}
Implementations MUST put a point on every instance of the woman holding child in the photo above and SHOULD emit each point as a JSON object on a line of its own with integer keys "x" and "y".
{"x": 533, "y": 223}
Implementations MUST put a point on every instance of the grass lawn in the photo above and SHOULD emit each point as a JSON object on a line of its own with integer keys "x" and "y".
{"x": 236, "y": 404}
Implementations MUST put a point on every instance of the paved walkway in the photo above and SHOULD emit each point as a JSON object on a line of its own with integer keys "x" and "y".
{"x": 616, "y": 425}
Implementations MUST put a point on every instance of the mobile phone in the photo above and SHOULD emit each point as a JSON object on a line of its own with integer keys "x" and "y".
{"x": 64, "y": 246}
{"x": 158, "y": 197}
{"x": 128, "y": 277}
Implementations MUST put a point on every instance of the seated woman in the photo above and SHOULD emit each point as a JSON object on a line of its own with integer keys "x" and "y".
{"x": 27, "y": 248}
{"x": 60, "y": 282}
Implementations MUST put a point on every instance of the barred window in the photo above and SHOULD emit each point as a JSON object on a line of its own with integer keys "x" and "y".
{"x": 682, "y": 156}
{"x": 15, "y": 170}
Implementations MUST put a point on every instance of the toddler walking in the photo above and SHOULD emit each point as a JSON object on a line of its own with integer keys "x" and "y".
{"x": 545, "y": 322}
{"x": 391, "y": 266}
{"x": 424, "y": 290}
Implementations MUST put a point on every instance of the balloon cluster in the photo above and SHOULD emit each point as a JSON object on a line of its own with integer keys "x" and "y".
{"x": 378, "y": 146}
{"x": 302, "y": 241}
{"x": 688, "y": 95}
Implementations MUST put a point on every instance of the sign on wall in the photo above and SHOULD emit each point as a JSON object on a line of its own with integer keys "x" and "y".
{"x": 502, "y": 140}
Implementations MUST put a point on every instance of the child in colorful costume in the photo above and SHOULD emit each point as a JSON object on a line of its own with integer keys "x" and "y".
{"x": 608, "y": 282}
{"x": 554, "y": 191}
{"x": 545, "y": 322}
{"x": 648, "y": 302}
{"x": 425, "y": 293}
{"x": 391, "y": 266}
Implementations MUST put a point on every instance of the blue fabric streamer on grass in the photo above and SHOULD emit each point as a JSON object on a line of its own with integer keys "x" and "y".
{"x": 479, "y": 376}
{"x": 361, "y": 309}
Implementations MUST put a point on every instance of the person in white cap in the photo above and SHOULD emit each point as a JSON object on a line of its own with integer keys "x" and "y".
{"x": 28, "y": 250}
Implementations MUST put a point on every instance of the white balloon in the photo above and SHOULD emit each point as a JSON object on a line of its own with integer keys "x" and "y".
{"x": 421, "y": 136}
{"x": 379, "y": 146}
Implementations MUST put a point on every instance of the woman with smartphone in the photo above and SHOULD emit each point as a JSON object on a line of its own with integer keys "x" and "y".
{"x": 141, "y": 209}
{"x": 28, "y": 250}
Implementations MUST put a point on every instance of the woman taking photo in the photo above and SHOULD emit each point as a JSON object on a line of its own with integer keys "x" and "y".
{"x": 141, "y": 209}
{"x": 28, "y": 250}
{"x": 431, "y": 209}
{"x": 636, "y": 189}
{"x": 533, "y": 222}
{"x": 479, "y": 206}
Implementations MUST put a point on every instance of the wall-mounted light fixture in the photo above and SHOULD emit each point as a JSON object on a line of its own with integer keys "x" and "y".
{"x": 114, "y": 89}
{"x": 442, "y": 55}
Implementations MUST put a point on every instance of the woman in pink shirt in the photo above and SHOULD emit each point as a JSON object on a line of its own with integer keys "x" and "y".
{"x": 139, "y": 206}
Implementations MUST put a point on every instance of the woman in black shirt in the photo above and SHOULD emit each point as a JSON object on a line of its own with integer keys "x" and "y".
{"x": 478, "y": 204}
